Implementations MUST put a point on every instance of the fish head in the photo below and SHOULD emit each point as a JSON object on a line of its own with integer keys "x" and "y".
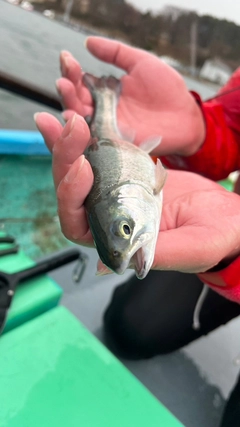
{"x": 125, "y": 235}
{"x": 133, "y": 243}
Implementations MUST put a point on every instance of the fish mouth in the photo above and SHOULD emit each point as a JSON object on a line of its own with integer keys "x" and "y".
{"x": 140, "y": 260}
{"x": 139, "y": 264}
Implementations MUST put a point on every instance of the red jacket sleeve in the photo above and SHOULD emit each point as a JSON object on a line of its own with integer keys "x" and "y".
{"x": 220, "y": 153}
{"x": 218, "y": 156}
{"x": 226, "y": 282}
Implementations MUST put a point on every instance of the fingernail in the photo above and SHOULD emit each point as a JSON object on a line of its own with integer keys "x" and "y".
{"x": 35, "y": 116}
{"x": 65, "y": 53}
{"x": 57, "y": 83}
{"x": 74, "y": 171}
{"x": 64, "y": 65}
{"x": 64, "y": 116}
{"x": 69, "y": 127}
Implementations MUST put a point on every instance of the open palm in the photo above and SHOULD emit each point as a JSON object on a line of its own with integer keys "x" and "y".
{"x": 154, "y": 100}
{"x": 200, "y": 224}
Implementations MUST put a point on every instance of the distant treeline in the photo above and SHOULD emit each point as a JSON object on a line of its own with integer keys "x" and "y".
{"x": 167, "y": 33}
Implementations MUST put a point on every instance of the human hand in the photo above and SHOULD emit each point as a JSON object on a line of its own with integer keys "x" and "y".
{"x": 200, "y": 219}
{"x": 154, "y": 100}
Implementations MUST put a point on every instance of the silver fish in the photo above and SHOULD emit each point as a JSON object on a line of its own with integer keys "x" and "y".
{"x": 125, "y": 203}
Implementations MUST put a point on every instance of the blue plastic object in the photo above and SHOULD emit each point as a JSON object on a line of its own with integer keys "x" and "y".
{"x": 22, "y": 142}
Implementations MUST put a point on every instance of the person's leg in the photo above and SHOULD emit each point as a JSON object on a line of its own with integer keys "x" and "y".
{"x": 231, "y": 416}
{"x": 155, "y": 315}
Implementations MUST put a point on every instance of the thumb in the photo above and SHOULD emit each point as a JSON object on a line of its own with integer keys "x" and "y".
{"x": 187, "y": 249}
{"x": 114, "y": 52}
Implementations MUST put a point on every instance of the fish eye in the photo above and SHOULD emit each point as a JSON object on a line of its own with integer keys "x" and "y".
{"x": 122, "y": 228}
{"x": 125, "y": 230}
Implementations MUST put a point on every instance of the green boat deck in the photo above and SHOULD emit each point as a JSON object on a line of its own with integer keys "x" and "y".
{"x": 33, "y": 297}
{"x": 55, "y": 373}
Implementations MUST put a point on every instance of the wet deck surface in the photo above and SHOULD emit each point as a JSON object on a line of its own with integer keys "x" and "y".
{"x": 194, "y": 382}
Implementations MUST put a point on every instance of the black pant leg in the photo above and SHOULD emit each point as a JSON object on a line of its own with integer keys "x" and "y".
{"x": 231, "y": 415}
{"x": 154, "y": 316}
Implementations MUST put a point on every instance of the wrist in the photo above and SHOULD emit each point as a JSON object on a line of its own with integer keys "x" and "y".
{"x": 225, "y": 262}
{"x": 197, "y": 126}
{"x": 234, "y": 254}
{"x": 225, "y": 281}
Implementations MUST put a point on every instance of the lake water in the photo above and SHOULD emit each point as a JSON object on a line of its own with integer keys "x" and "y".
{"x": 30, "y": 45}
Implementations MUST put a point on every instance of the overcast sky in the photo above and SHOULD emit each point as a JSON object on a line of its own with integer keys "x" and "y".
{"x": 229, "y": 9}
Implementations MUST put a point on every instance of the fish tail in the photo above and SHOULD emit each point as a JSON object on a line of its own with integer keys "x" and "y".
{"x": 96, "y": 84}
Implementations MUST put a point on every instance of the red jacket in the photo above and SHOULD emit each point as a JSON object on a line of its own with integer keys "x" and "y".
{"x": 216, "y": 159}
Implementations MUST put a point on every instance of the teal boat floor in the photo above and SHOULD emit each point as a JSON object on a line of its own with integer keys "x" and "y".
{"x": 28, "y": 210}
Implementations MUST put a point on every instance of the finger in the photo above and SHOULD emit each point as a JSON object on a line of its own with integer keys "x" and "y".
{"x": 49, "y": 127}
{"x": 71, "y": 194}
{"x": 187, "y": 249}
{"x": 67, "y": 92}
{"x": 114, "y": 52}
{"x": 67, "y": 114}
{"x": 70, "y": 67}
{"x": 69, "y": 146}
{"x": 71, "y": 99}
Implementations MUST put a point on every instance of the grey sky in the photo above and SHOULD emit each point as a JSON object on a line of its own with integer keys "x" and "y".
{"x": 229, "y": 9}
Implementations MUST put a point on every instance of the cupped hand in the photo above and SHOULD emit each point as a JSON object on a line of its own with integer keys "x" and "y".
{"x": 154, "y": 100}
{"x": 200, "y": 219}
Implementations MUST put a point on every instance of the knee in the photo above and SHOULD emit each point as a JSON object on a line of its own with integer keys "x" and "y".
{"x": 121, "y": 335}
{"x": 126, "y": 330}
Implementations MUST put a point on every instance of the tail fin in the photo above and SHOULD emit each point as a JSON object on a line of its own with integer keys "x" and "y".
{"x": 95, "y": 84}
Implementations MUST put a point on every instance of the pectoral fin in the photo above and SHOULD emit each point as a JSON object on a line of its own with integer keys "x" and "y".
{"x": 150, "y": 144}
{"x": 102, "y": 270}
{"x": 160, "y": 177}
{"x": 126, "y": 133}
